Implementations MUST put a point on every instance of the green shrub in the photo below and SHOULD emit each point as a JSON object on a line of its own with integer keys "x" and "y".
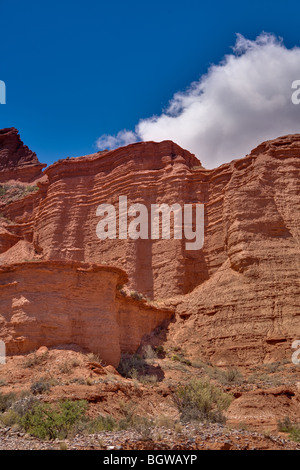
{"x": 24, "y": 404}
{"x": 135, "y": 366}
{"x": 175, "y": 358}
{"x": 101, "y": 423}
{"x": 92, "y": 357}
{"x": 149, "y": 353}
{"x": 131, "y": 366}
{"x": 292, "y": 429}
{"x": 148, "y": 379}
{"x": 31, "y": 189}
{"x": 294, "y": 433}
{"x": 14, "y": 192}
{"x": 224, "y": 377}
{"x": 136, "y": 295}
{"x": 274, "y": 367}
{"x": 232, "y": 376}
{"x": 160, "y": 351}
{"x": 65, "y": 367}
{"x": 144, "y": 427}
{"x": 35, "y": 359}
{"x": 129, "y": 414}
{"x": 54, "y": 421}
{"x": 285, "y": 425}
{"x": 9, "y": 418}
{"x": 181, "y": 358}
{"x": 39, "y": 387}
{"x": 3, "y": 190}
{"x": 6, "y": 401}
{"x": 201, "y": 401}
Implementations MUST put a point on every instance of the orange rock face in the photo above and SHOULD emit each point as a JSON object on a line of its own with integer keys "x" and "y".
{"x": 60, "y": 303}
{"x": 237, "y": 299}
{"x": 61, "y": 219}
{"x": 247, "y": 310}
{"x": 264, "y": 407}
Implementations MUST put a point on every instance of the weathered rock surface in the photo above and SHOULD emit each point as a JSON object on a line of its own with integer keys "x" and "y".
{"x": 17, "y": 162}
{"x": 54, "y": 303}
{"x": 248, "y": 309}
{"x": 61, "y": 218}
{"x": 264, "y": 408}
{"x": 237, "y": 299}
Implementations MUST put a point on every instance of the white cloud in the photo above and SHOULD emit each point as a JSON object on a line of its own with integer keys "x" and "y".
{"x": 123, "y": 137}
{"x": 239, "y": 103}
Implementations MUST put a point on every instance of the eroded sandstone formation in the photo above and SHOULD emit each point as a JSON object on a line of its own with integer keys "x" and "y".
{"x": 61, "y": 303}
{"x": 248, "y": 309}
{"x": 17, "y": 161}
{"x": 61, "y": 219}
{"x": 237, "y": 299}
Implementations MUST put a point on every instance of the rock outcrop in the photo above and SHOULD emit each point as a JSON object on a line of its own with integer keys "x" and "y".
{"x": 17, "y": 162}
{"x": 62, "y": 303}
{"x": 237, "y": 299}
{"x": 248, "y": 309}
{"x": 61, "y": 219}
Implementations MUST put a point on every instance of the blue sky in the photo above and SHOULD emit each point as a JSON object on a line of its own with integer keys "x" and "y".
{"x": 75, "y": 70}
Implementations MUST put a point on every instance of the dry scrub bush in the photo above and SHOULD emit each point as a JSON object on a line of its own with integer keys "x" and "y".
{"x": 201, "y": 401}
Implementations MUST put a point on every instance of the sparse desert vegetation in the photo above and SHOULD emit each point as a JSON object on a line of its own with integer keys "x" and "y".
{"x": 156, "y": 402}
{"x": 14, "y": 192}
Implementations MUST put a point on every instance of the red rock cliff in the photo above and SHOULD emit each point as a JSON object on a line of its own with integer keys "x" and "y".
{"x": 248, "y": 309}
{"x": 60, "y": 303}
{"x": 237, "y": 299}
{"x": 17, "y": 162}
{"x": 61, "y": 219}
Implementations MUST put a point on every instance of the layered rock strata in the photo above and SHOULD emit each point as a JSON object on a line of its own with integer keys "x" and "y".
{"x": 62, "y": 303}
{"x": 237, "y": 299}
{"x": 17, "y": 161}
